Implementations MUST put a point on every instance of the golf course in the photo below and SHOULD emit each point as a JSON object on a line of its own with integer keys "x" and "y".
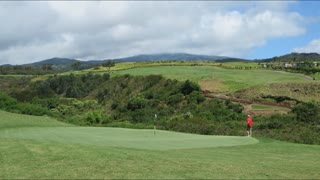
{"x": 159, "y": 90}
{"x": 40, "y": 147}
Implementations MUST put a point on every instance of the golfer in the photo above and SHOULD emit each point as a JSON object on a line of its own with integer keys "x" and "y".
{"x": 249, "y": 125}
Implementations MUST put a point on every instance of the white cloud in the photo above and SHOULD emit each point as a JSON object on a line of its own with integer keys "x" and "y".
{"x": 33, "y": 31}
{"x": 312, "y": 47}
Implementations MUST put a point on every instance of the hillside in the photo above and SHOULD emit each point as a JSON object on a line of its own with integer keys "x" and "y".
{"x": 170, "y": 56}
{"x": 295, "y": 57}
{"x": 55, "y": 61}
{"x": 65, "y": 63}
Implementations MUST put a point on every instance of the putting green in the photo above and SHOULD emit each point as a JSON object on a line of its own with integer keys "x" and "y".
{"x": 125, "y": 138}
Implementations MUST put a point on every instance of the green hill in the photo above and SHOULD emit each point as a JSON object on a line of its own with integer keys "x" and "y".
{"x": 295, "y": 57}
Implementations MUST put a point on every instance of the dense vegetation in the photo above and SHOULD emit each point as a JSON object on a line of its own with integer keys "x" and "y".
{"x": 53, "y": 65}
{"x": 132, "y": 101}
{"x": 294, "y": 57}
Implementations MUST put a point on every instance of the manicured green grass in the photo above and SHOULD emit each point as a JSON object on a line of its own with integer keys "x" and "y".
{"x": 226, "y": 79}
{"x": 266, "y": 107}
{"x": 11, "y": 120}
{"x": 47, "y": 149}
{"x": 125, "y": 138}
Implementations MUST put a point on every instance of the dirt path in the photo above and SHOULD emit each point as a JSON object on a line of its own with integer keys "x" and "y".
{"x": 247, "y": 104}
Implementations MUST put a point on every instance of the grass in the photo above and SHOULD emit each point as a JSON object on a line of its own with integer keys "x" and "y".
{"x": 41, "y": 148}
{"x": 266, "y": 107}
{"x": 208, "y": 74}
{"x": 10, "y": 120}
{"x": 218, "y": 79}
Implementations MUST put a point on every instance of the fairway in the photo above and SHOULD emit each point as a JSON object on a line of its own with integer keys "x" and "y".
{"x": 224, "y": 79}
{"x": 43, "y": 148}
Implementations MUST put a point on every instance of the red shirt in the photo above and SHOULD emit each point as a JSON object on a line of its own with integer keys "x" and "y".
{"x": 249, "y": 121}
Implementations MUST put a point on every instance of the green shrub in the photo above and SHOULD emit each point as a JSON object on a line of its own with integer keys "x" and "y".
{"x": 94, "y": 117}
{"x": 196, "y": 97}
{"x": 174, "y": 99}
{"x": 308, "y": 112}
{"x": 31, "y": 109}
{"x": 137, "y": 102}
{"x": 49, "y": 103}
{"x": 6, "y": 101}
{"x": 188, "y": 87}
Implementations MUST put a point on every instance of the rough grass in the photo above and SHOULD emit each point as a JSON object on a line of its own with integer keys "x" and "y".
{"x": 40, "y": 151}
{"x": 302, "y": 91}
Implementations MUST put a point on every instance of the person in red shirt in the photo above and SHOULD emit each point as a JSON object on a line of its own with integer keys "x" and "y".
{"x": 249, "y": 125}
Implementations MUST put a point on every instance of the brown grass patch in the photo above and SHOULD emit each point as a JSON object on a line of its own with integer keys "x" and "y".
{"x": 212, "y": 85}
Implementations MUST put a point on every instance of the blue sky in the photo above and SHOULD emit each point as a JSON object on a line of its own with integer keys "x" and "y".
{"x": 32, "y": 31}
{"x": 280, "y": 46}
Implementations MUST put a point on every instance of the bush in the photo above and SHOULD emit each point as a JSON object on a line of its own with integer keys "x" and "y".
{"x": 49, "y": 103}
{"x": 7, "y": 101}
{"x": 174, "y": 99}
{"x": 31, "y": 109}
{"x": 196, "y": 97}
{"x": 188, "y": 87}
{"x": 137, "y": 102}
{"x": 307, "y": 112}
{"x": 94, "y": 117}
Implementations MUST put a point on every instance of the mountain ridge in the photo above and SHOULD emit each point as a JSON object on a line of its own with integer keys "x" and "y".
{"x": 59, "y": 63}
{"x": 169, "y": 56}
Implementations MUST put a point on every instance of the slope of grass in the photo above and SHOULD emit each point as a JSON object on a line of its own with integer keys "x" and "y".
{"x": 302, "y": 91}
{"x": 11, "y": 120}
{"x": 226, "y": 79}
{"x": 51, "y": 152}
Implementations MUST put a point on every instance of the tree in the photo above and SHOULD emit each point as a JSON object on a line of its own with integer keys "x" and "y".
{"x": 47, "y": 67}
{"x": 76, "y": 65}
{"x": 189, "y": 86}
{"x": 109, "y": 64}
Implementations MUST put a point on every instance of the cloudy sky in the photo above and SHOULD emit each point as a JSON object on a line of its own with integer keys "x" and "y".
{"x": 32, "y": 31}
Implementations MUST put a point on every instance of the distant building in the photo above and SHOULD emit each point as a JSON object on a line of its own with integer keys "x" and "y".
{"x": 288, "y": 65}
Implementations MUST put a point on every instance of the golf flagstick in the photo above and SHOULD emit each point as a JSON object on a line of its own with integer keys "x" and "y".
{"x": 154, "y": 124}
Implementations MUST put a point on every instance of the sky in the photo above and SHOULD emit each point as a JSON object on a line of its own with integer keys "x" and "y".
{"x": 32, "y": 31}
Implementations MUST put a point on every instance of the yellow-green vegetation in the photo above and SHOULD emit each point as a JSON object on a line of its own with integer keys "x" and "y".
{"x": 243, "y": 65}
{"x": 130, "y": 65}
{"x": 213, "y": 76}
{"x": 51, "y": 151}
{"x": 225, "y": 79}
{"x": 302, "y": 91}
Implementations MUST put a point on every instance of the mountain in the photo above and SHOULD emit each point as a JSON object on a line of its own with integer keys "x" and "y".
{"x": 169, "y": 56}
{"x": 65, "y": 63}
{"x": 233, "y": 60}
{"x": 54, "y": 61}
